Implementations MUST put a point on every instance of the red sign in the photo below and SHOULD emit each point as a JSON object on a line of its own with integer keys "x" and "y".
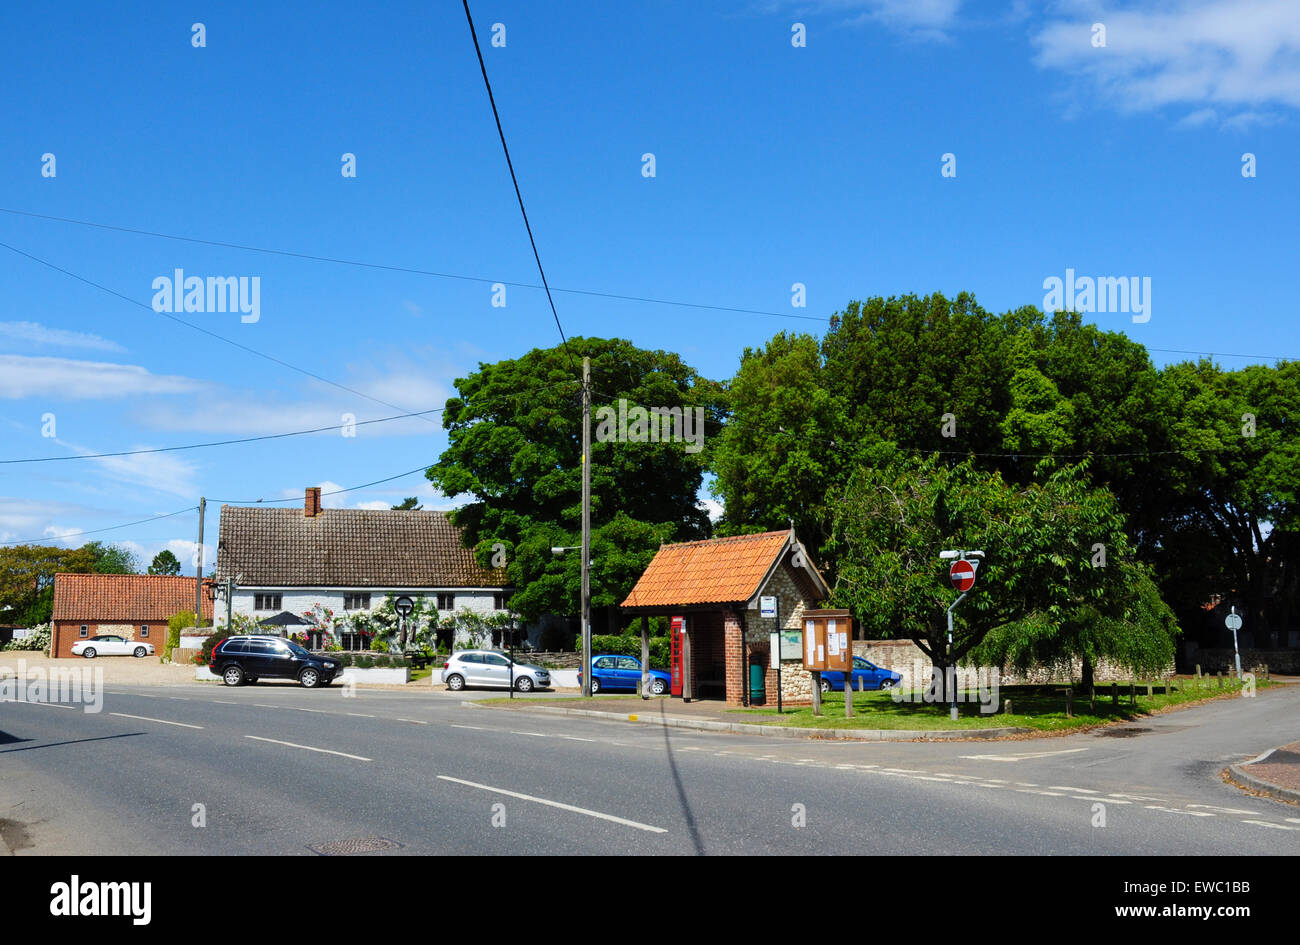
{"x": 962, "y": 575}
{"x": 675, "y": 654}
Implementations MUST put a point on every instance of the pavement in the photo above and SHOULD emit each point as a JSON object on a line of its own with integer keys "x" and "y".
{"x": 714, "y": 716}
{"x": 1276, "y": 773}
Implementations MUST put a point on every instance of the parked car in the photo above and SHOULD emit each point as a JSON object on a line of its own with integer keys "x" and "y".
{"x": 610, "y": 671}
{"x": 491, "y": 669}
{"x": 110, "y": 644}
{"x": 246, "y": 659}
{"x": 866, "y": 675}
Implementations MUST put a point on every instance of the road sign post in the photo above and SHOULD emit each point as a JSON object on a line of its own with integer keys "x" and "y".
{"x": 771, "y": 607}
{"x": 962, "y": 576}
{"x": 1233, "y": 623}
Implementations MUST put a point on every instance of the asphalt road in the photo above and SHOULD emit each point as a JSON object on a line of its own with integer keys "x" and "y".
{"x": 282, "y": 770}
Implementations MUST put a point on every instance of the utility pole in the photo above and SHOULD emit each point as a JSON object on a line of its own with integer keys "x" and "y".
{"x": 198, "y": 569}
{"x": 586, "y": 526}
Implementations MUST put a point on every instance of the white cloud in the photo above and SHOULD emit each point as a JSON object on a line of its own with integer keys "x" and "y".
{"x": 36, "y": 333}
{"x": 919, "y": 19}
{"x": 713, "y": 507}
{"x": 64, "y": 379}
{"x": 375, "y": 506}
{"x": 1226, "y": 60}
{"x": 162, "y": 472}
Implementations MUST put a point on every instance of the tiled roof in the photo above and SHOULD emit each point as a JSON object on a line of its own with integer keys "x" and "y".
{"x": 127, "y": 597}
{"x": 717, "y": 571}
{"x": 346, "y": 548}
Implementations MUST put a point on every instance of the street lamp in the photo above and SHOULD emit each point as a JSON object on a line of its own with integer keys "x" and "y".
{"x": 960, "y": 556}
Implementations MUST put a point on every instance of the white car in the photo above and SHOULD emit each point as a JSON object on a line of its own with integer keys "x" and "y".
{"x": 110, "y": 644}
{"x": 491, "y": 669}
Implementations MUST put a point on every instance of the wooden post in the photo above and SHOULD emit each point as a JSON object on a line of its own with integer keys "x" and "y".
{"x": 1069, "y": 702}
{"x": 848, "y": 695}
{"x": 1198, "y": 670}
{"x": 1132, "y": 693}
{"x": 1006, "y": 706}
{"x": 688, "y": 684}
{"x": 1220, "y": 679}
{"x": 817, "y": 692}
{"x": 1092, "y": 698}
{"x": 644, "y": 686}
{"x": 1114, "y": 693}
{"x": 1150, "y": 690}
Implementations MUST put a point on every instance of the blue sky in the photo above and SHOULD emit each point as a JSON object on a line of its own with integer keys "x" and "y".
{"x": 774, "y": 164}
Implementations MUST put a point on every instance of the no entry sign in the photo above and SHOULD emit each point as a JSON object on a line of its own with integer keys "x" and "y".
{"x": 962, "y": 575}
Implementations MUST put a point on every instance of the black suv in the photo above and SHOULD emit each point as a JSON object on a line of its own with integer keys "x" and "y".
{"x": 238, "y": 660}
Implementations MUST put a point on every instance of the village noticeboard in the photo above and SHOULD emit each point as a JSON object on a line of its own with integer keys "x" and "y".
{"x": 828, "y": 641}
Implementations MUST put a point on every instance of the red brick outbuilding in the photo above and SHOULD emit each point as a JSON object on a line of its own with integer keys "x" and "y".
{"x": 716, "y": 586}
{"x": 135, "y": 606}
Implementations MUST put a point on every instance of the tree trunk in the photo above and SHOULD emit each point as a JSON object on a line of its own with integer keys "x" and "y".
{"x": 1087, "y": 673}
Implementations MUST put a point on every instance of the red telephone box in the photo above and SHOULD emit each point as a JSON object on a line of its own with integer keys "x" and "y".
{"x": 678, "y": 627}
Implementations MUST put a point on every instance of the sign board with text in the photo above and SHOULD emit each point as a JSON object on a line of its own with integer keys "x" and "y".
{"x": 828, "y": 641}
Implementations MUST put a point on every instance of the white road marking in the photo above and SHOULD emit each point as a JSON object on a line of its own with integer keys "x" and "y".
{"x": 57, "y": 705}
{"x": 1176, "y": 810}
{"x": 324, "y": 751}
{"x": 1024, "y": 757}
{"x": 224, "y": 702}
{"x": 575, "y": 738}
{"x": 476, "y": 728}
{"x": 413, "y": 721}
{"x": 1222, "y": 810}
{"x": 318, "y": 711}
{"x": 1265, "y": 823}
{"x": 145, "y": 718}
{"x": 1260, "y": 758}
{"x": 1293, "y": 820}
{"x": 534, "y": 734}
{"x": 1136, "y": 797}
{"x": 263, "y": 705}
{"x": 1076, "y": 790}
{"x": 1044, "y": 793}
{"x": 360, "y": 715}
{"x": 548, "y": 803}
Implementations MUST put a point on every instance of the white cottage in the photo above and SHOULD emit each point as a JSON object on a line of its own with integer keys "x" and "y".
{"x": 348, "y": 560}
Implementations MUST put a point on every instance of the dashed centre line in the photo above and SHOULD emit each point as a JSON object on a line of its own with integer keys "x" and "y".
{"x": 145, "y": 718}
{"x": 549, "y": 803}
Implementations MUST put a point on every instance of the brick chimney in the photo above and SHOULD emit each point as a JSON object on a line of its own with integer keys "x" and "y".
{"x": 311, "y": 506}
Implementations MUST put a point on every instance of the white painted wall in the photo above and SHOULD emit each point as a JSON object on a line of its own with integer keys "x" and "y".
{"x": 300, "y": 600}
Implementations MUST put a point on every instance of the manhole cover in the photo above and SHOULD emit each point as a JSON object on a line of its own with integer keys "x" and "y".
{"x": 355, "y": 846}
{"x": 1123, "y": 732}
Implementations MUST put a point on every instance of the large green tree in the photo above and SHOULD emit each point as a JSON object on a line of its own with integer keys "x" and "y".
{"x": 27, "y": 579}
{"x": 515, "y": 451}
{"x": 1057, "y": 560}
{"x": 164, "y": 562}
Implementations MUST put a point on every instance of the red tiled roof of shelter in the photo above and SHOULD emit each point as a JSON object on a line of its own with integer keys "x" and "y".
{"x": 128, "y": 597}
{"x": 716, "y": 571}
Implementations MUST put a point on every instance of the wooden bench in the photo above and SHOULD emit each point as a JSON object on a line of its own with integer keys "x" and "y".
{"x": 419, "y": 660}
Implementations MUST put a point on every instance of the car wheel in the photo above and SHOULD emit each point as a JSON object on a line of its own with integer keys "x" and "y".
{"x": 657, "y": 687}
{"x": 309, "y": 678}
{"x": 826, "y": 685}
{"x": 232, "y": 676}
{"x": 524, "y": 684}
{"x": 595, "y": 685}
{"x": 140, "y": 652}
{"x": 88, "y": 652}
{"x": 455, "y": 683}
{"x": 887, "y": 684}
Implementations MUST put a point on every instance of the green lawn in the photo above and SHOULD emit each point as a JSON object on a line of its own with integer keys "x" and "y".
{"x": 1035, "y": 707}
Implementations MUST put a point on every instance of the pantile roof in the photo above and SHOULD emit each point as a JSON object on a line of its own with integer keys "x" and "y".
{"x": 716, "y": 571}
{"x": 126, "y": 597}
{"x": 345, "y": 548}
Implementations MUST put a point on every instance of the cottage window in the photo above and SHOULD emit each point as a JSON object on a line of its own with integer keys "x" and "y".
{"x": 85, "y": 631}
{"x": 446, "y": 601}
{"x": 500, "y": 600}
{"x": 267, "y": 601}
{"x": 144, "y": 630}
{"x": 356, "y": 601}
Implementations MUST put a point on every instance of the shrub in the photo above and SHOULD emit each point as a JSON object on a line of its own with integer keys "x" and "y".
{"x": 378, "y": 646}
{"x": 364, "y": 662}
{"x": 38, "y": 639}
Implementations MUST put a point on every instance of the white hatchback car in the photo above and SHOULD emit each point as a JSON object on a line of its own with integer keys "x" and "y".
{"x": 491, "y": 669}
{"x": 110, "y": 644}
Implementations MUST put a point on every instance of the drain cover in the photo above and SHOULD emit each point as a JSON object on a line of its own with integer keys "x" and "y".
{"x": 355, "y": 846}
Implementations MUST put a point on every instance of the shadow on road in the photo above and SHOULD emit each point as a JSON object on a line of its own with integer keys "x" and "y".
{"x": 681, "y": 790}
{"x": 75, "y": 741}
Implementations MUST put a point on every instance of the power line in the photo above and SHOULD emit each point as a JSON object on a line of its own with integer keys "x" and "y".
{"x": 515, "y": 180}
{"x": 407, "y": 270}
{"x": 95, "y": 531}
{"x": 211, "y": 334}
{"x": 366, "y": 485}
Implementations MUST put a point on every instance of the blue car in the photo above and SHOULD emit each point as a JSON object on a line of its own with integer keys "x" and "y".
{"x": 623, "y": 673}
{"x": 866, "y": 675}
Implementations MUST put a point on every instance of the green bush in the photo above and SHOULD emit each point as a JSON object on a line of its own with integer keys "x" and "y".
{"x": 378, "y": 646}
{"x": 364, "y": 662}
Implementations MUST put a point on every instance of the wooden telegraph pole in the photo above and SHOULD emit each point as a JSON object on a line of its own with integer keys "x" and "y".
{"x": 586, "y": 526}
